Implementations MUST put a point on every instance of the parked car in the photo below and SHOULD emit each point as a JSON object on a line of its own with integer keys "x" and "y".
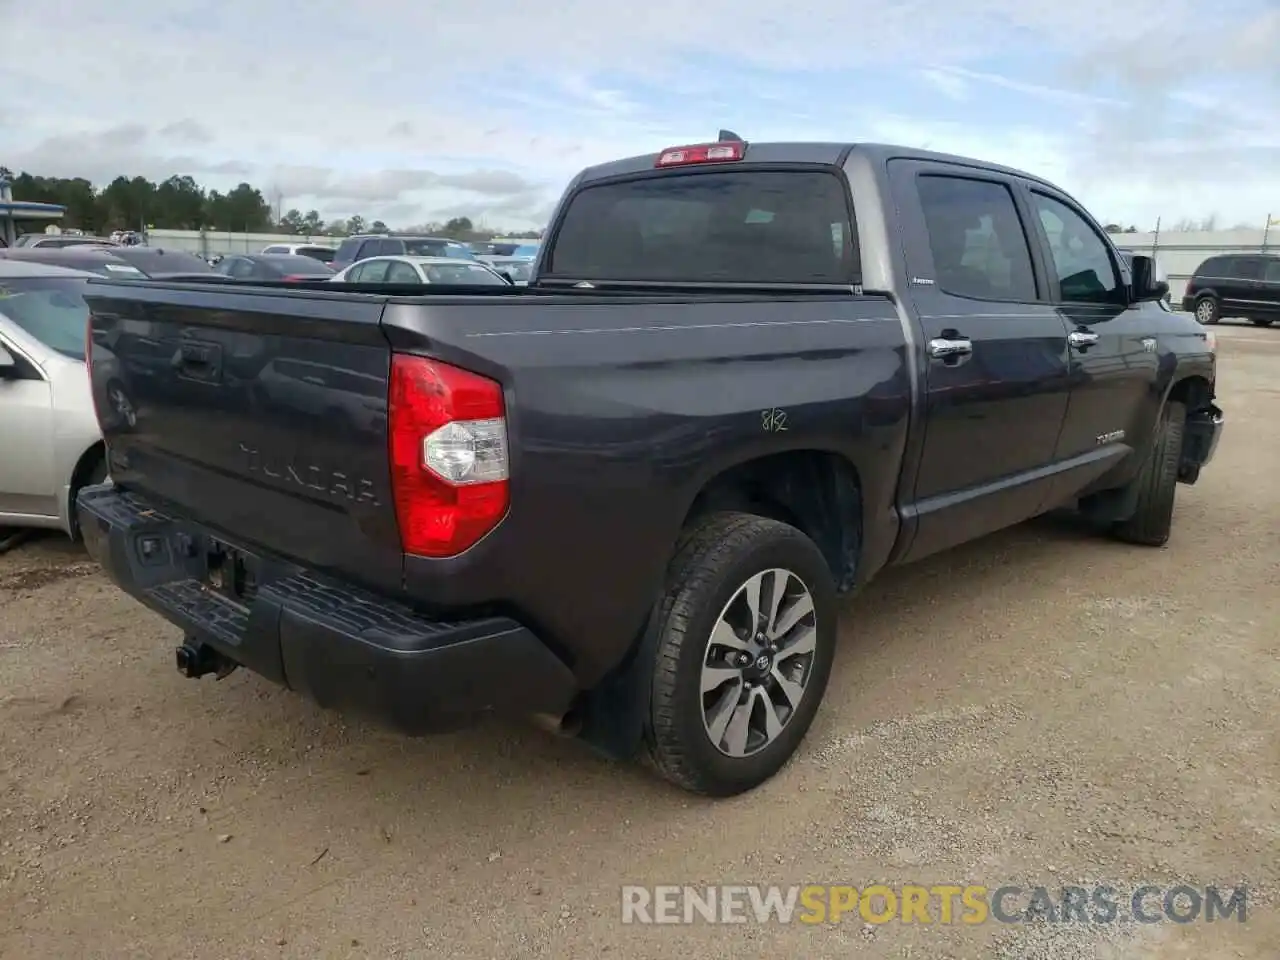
{"x": 272, "y": 266}
{"x": 124, "y": 262}
{"x": 498, "y": 248}
{"x": 527, "y": 250}
{"x": 363, "y": 246}
{"x": 424, "y": 270}
{"x": 316, "y": 251}
{"x": 518, "y": 270}
{"x": 1236, "y": 285}
{"x": 744, "y": 379}
{"x": 50, "y": 442}
{"x": 53, "y": 241}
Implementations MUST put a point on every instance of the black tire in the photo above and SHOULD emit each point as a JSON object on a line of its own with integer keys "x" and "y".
{"x": 96, "y": 474}
{"x": 1157, "y": 483}
{"x": 714, "y": 560}
{"x": 1207, "y": 310}
{"x": 1262, "y": 321}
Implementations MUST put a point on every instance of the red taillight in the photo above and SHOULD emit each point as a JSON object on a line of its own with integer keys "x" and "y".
{"x": 700, "y": 153}
{"x": 296, "y": 277}
{"x": 448, "y": 448}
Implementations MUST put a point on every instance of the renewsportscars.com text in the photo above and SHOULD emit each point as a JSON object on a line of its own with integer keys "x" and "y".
{"x": 940, "y": 903}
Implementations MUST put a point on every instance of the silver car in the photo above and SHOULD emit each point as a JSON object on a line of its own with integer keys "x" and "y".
{"x": 50, "y": 443}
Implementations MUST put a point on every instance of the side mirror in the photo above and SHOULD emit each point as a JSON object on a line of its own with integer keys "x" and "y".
{"x": 1145, "y": 287}
{"x": 8, "y": 365}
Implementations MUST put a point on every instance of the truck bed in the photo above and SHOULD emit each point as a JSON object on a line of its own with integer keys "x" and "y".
{"x": 262, "y": 414}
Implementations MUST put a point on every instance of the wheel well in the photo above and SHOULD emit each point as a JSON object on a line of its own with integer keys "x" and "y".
{"x": 1195, "y": 393}
{"x": 97, "y": 453}
{"x": 815, "y": 491}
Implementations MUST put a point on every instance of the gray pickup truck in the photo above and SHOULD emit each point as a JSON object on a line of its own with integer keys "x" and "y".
{"x": 743, "y": 379}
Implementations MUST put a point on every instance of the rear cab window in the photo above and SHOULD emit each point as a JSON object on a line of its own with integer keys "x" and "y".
{"x": 763, "y": 226}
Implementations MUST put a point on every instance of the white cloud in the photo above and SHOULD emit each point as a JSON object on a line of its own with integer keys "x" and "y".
{"x": 409, "y": 109}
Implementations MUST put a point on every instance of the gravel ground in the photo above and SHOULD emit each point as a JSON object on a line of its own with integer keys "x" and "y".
{"x": 1041, "y": 707}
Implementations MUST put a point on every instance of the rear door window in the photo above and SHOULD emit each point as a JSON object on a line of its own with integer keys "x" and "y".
{"x": 977, "y": 240}
{"x": 1247, "y": 268}
{"x": 424, "y": 248}
{"x": 400, "y": 272}
{"x": 1272, "y": 272}
{"x": 375, "y": 272}
{"x": 348, "y": 250}
{"x": 741, "y": 226}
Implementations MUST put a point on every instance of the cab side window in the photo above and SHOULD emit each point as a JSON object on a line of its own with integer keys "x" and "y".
{"x": 1081, "y": 258}
{"x": 977, "y": 239}
{"x": 401, "y": 272}
{"x": 1247, "y": 268}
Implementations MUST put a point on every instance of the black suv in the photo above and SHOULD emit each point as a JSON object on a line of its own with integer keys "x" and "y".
{"x": 1236, "y": 285}
{"x": 364, "y": 246}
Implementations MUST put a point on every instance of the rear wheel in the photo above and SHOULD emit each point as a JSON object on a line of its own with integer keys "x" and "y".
{"x": 746, "y": 638}
{"x": 1157, "y": 483}
{"x": 96, "y": 474}
{"x": 1207, "y": 310}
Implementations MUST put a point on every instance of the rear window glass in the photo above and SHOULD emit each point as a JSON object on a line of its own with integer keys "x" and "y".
{"x": 463, "y": 273}
{"x": 732, "y": 227}
{"x": 323, "y": 254}
{"x": 295, "y": 263}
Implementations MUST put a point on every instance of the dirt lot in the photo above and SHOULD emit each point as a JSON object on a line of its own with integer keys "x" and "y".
{"x": 1038, "y": 708}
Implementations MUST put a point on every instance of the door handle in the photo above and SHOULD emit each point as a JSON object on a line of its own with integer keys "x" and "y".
{"x": 1081, "y": 339}
{"x": 944, "y": 347}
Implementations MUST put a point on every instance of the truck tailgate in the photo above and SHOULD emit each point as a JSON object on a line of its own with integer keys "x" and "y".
{"x": 259, "y": 412}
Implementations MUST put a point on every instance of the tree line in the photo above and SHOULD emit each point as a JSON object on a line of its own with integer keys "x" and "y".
{"x": 179, "y": 203}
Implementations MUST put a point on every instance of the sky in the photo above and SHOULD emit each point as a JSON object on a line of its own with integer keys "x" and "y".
{"x": 412, "y": 111}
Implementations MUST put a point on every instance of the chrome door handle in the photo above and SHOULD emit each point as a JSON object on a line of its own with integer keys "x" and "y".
{"x": 942, "y": 347}
{"x": 1078, "y": 338}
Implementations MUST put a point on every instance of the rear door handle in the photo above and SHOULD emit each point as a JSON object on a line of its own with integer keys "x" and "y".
{"x": 1081, "y": 339}
{"x": 942, "y": 347}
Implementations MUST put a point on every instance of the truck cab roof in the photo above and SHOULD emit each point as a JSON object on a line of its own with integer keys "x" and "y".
{"x": 825, "y": 153}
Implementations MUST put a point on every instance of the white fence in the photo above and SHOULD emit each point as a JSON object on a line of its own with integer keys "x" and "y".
{"x": 208, "y": 242}
{"x": 1181, "y": 252}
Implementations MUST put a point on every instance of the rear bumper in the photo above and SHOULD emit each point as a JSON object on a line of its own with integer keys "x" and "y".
{"x": 1200, "y": 441}
{"x": 341, "y": 646}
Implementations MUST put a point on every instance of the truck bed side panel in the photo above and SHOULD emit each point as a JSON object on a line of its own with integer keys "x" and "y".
{"x": 620, "y": 410}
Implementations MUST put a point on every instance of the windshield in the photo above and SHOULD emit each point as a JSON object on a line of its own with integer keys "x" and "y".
{"x": 463, "y": 273}
{"x": 51, "y": 309}
{"x": 745, "y": 226}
